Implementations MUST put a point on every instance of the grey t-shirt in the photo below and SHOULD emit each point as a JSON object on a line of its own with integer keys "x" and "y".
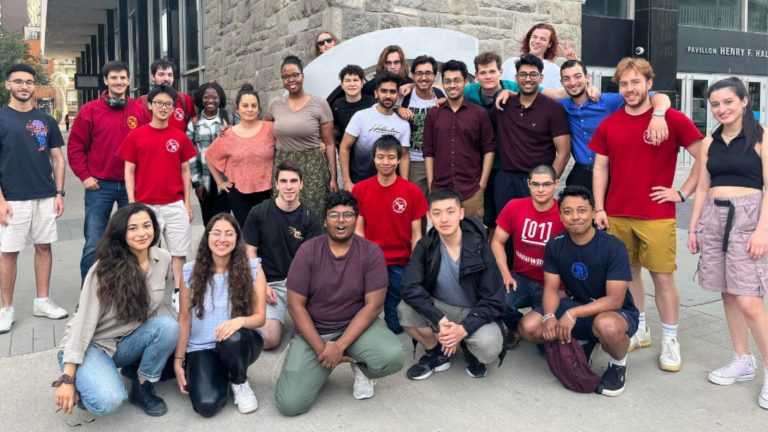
{"x": 448, "y": 289}
{"x": 367, "y": 126}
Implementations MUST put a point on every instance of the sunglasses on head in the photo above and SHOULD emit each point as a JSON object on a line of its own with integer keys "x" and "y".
{"x": 322, "y": 42}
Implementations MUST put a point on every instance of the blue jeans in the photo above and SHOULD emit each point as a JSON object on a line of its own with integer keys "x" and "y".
{"x": 528, "y": 294}
{"x": 101, "y": 386}
{"x": 98, "y": 208}
{"x": 395, "y": 273}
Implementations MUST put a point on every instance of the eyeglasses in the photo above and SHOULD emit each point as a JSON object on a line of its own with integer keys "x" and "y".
{"x": 18, "y": 82}
{"x": 455, "y": 81}
{"x": 537, "y": 185}
{"x": 294, "y": 76}
{"x": 428, "y": 74}
{"x": 334, "y": 215}
{"x": 393, "y": 63}
{"x": 161, "y": 104}
{"x": 531, "y": 75}
{"x": 322, "y": 42}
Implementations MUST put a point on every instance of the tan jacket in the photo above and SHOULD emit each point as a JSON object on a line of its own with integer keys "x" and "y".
{"x": 93, "y": 325}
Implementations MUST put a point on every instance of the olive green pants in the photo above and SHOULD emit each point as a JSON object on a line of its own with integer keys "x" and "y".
{"x": 377, "y": 351}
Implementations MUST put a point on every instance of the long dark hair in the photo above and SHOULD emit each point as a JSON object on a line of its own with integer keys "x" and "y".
{"x": 223, "y": 114}
{"x": 241, "y": 296}
{"x": 122, "y": 282}
{"x": 753, "y": 132}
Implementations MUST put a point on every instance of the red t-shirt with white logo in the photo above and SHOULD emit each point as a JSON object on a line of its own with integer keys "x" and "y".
{"x": 158, "y": 155}
{"x": 529, "y": 231}
{"x": 388, "y": 213}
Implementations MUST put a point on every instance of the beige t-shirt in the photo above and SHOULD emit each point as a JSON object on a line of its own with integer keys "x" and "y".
{"x": 299, "y": 130}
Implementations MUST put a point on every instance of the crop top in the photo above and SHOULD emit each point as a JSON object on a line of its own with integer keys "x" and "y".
{"x": 730, "y": 165}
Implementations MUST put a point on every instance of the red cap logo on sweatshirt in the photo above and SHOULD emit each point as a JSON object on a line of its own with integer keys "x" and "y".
{"x": 178, "y": 113}
{"x": 132, "y": 122}
{"x": 399, "y": 205}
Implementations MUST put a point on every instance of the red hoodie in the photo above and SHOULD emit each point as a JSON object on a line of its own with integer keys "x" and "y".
{"x": 96, "y": 135}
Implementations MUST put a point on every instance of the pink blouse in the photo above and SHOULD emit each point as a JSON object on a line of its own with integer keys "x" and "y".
{"x": 247, "y": 162}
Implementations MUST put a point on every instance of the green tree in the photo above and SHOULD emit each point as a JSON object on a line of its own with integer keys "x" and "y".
{"x": 14, "y": 50}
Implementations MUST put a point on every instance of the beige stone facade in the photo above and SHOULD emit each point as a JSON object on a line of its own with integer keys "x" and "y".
{"x": 245, "y": 40}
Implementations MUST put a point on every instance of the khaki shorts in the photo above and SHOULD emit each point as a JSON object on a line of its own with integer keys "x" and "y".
{"x": 733, "y": 271}
{"x": 34, "y": 217}
{"x": 474, "y": 205}
{"x": 174, "y": 225}
{"x": 277, "y": 311}
{"x": 651, "y": 243}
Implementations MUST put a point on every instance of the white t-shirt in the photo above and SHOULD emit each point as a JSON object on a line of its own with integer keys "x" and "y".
{"x": 551, "y": 73}
{"x": 419, "y": 107}
{"x": 368, "y": 125}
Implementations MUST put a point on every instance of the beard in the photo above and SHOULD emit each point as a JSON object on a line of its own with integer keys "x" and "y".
{"x": 17, "y": 95}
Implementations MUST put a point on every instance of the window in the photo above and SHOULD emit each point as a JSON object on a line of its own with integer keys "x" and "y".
{"x": 757, "y": 16}
{"x": 721, "y": 14}
{"x": 191, "y": 31}
{"x": 605, "y": 8}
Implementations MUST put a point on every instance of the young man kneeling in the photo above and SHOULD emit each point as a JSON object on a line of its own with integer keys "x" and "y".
{"x": 452, "y": 292}
{"x": 594, "y": 267}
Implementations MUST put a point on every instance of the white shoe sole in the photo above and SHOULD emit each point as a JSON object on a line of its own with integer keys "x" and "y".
{"x": 442, "y": 368}
{"x": 725, "y": 381}
{"x": 613, "y": 393}
{"x": 53, "y": 317}
{"x": 248, "y": 408}
{"x": 363, "y": 396}
{"x": 762, "y": 401}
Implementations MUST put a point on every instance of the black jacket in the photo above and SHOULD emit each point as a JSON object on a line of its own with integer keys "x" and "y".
{"x": 478, "y": 277}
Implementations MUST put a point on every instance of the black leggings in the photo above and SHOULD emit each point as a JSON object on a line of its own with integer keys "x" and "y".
{"x": 209, "y": 372}
{"x": 241, "y": 203}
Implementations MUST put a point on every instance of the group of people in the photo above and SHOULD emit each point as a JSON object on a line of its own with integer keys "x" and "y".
{"x": 481, "y": 162}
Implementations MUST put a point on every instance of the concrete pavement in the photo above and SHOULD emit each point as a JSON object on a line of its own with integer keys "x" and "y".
{"x": 521, "y": 395}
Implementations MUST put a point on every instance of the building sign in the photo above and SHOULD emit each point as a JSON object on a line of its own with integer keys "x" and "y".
{"x": 722, "y": 51}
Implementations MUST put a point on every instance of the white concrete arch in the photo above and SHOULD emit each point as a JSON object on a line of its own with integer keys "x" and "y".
{"x": 321, "y": 75}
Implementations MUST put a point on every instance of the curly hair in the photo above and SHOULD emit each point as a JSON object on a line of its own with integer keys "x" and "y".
{"x": 122, "y": 282}
{"x": 241, "y": 295}
{"x": 551, "y": 52}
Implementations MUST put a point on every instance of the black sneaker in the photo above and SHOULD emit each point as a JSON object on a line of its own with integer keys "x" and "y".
{"x": 612, "y": 383}
{"x": 475, "y": 368}
{"x": 427, "y": 365}
{"x": 143, "y": 396}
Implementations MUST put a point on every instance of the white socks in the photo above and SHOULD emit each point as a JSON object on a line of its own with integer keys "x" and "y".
{"x": 668, "y": 331}
{"x": 641, "y": 323}
{"x": 40, "y": 300}
{"x": 613, "y": 361}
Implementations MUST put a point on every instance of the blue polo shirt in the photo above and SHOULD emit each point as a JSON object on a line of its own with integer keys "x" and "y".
{"x": 584, "y": 120}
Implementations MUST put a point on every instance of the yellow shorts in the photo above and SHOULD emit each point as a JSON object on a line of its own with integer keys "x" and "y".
{"x": 651, "y": 243}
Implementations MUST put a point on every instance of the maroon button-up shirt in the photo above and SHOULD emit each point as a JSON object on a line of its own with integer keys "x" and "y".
{"x": 458, "y": 141}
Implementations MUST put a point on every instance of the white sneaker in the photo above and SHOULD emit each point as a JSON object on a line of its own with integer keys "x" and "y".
{"x": 669, "y": 360}
{"x": 363, "y": 386}
{"x": 641, "y": 339}
{"x": 244, "y": 398}
{"x": 175, "y": 300}
{"x": 48, "y": 309}
{"x": 739, "y": 369}
{"x": 6, "y": 319}
{"x": 762, "y": 400}
{"x": 80, "y": 417}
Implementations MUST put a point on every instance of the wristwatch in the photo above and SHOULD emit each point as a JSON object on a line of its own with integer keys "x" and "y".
{"x": 61, "y": 192}
{"x": 659, "y": 112}
{"x": 63, "y": 379}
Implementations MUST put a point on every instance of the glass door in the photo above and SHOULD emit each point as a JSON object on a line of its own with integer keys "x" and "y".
{"x": 757, "y": 87}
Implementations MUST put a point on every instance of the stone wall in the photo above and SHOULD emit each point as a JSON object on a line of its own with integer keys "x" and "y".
{"x": 245, "y": 40}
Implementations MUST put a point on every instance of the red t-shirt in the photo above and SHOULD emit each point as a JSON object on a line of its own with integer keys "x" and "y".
{"x": 158, "y": 155}
{"x": 636, "y": 167}
{"x": 388, "y": 213}
{"x": 529, "y": 231}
